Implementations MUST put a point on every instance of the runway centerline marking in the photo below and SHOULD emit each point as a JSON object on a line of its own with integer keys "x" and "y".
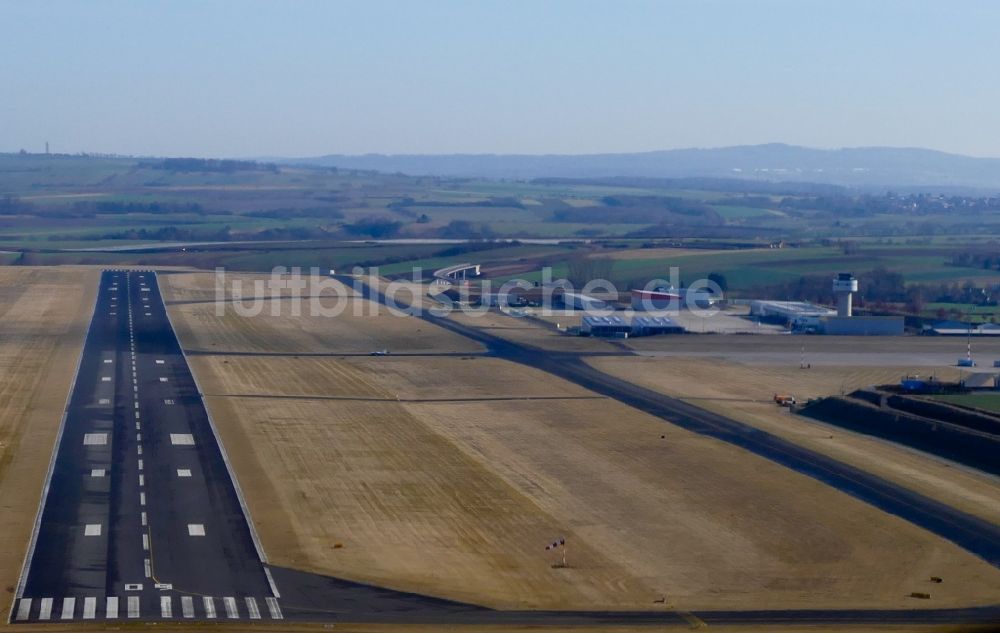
{"x": 97, "y": 472}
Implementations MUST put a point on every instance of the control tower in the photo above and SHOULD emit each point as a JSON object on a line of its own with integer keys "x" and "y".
{"x": 844, "y": 287}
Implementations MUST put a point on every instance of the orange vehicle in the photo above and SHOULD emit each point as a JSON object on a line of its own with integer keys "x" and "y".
{"x": 784, "y": 400}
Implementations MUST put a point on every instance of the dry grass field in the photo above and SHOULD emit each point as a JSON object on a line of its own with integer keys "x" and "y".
{"x": 530, "y": 332}
{"x": 739, "y": 381}
{"x": 277, "y": 328}
{"x": 44, "y": 315}
{"x": 448, "y": 476}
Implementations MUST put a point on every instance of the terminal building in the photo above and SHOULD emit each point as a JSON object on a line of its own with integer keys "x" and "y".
{"x": 797, "y": 314}
{"x": 620, "y": 327}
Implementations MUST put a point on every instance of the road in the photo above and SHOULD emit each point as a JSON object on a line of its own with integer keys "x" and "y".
{"x": 140, "y": 517}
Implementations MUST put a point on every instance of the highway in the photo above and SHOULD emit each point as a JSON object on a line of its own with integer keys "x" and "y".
{"x": 140, "y": 518}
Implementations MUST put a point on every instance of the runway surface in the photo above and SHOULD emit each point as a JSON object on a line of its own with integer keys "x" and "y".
{"x": 140, "y": 518}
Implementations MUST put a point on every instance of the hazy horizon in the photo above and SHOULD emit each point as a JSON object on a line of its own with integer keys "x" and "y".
{"x": 250, "y": 79}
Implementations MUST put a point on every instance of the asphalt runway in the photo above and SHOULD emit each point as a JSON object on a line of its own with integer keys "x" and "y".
{"x": 140, "y": 518}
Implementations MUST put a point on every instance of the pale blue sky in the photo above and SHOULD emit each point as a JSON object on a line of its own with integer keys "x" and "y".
{"x": 249, "y": 78}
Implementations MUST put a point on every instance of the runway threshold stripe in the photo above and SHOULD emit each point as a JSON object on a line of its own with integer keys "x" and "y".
{"x": 230, "y": 605}
{"x": 111, "y": 608}
{"x": 166, "y": 607}
{"x": 187, "y": 606}
{"x": 209, "y": 607}
{"x": 133, "y": 606}
{"x": 24, "y": 608}
{"x": 89, "y": 608}
{"x": 272, "y": 606}
{"x": 252, "y": 608}
{"x": 68, "y": 608}
{"x": 45, "y": 610}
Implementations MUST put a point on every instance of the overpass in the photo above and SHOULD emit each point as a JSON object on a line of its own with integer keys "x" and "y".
{"x": 457, "y": 271}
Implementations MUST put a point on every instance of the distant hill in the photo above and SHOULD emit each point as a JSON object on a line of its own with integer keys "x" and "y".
{"x": 865, "y": 167}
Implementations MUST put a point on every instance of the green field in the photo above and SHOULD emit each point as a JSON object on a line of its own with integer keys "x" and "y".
{"x": 987, "y": 402}
{"x": 318, "y": 216}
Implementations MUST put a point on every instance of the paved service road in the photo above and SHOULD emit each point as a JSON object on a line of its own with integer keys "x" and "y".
{"x": 141, "y": 518}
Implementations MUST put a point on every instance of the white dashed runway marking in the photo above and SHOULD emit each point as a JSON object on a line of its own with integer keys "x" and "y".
{"x": 196, "y": 529}
{"x": 92, "y": 529}
{"x": 95, "y": 439}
